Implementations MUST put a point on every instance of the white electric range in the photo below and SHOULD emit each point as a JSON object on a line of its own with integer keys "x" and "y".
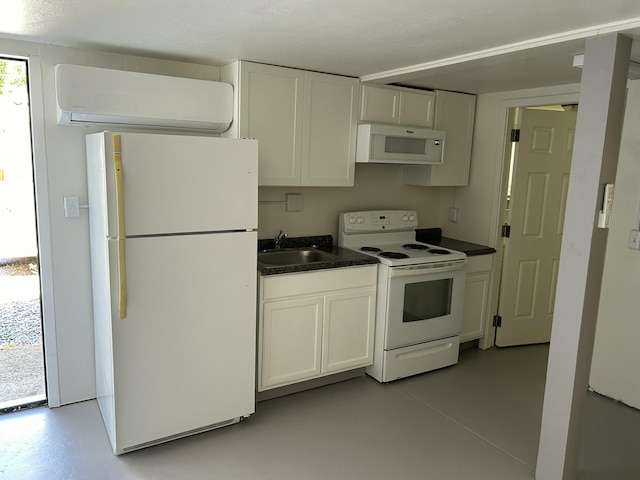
{"x": 420, "y": 293}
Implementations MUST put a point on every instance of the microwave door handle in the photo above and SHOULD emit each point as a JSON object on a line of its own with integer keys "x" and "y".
{"x": 412, "y": 271}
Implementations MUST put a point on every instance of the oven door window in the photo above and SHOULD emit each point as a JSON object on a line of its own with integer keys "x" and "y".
{"x": 426, "y": 300}
{"x": 424, "y": 307}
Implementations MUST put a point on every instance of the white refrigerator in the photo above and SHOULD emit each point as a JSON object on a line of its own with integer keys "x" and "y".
{"x": 173, "y": 222}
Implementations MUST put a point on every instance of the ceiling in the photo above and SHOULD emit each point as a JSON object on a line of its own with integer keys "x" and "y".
{"x": 476, "y": 47}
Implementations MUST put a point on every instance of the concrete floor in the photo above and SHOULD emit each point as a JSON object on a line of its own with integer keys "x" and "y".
{"x": 477, "y": 420}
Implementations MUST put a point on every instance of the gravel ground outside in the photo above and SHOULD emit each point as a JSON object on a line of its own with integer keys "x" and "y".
{"x": 21, "y": 351}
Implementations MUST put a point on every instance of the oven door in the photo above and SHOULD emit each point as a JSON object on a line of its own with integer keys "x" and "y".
{"x": 424, "y": 303}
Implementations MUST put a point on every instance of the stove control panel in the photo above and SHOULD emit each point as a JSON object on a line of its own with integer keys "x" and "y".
{"x": 378, "y": 220}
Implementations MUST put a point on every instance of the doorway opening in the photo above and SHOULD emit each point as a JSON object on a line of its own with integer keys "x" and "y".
{"x": 22, "y": 369}
{"x": 539, "y": 156}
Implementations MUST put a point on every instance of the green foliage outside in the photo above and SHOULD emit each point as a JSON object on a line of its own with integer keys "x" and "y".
{"x": 11, "y": 76}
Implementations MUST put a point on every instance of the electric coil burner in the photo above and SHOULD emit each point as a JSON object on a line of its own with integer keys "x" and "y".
{"x": 420, "y": 293}
{"x": 395, "y": 255}
{"x": 415, "y": 246}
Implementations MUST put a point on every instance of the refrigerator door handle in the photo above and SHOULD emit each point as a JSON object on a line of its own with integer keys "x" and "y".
{"x": 121, "y": 234}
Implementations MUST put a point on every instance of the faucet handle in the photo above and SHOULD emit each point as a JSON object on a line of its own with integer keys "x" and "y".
{"x": 278, "y": 238}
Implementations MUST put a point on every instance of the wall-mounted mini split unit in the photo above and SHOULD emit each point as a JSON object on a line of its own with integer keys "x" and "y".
{"x": 100, "y": 96}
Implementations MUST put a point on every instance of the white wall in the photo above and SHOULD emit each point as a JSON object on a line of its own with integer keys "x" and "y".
{"x": 616, "y": 355}
{"x": 60, "y": 169}
{"x": 376, "y": 186}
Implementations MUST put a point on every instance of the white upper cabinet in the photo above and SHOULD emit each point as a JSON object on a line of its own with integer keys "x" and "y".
{"x": 329, "y": 130}
{"x": 397, "y": 105}
{"x": 455, "y": 114}
{"x": 305, "y": 123}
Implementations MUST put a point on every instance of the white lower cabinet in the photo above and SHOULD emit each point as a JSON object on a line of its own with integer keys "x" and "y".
{"x": 292, "y": 333}
{"x": 348, "y": 330}
{"x": 476, "y": 297}
{"x": 313, "y": 324}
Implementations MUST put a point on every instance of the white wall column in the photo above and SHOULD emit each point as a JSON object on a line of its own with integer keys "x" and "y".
{"x": 594, "y": 163}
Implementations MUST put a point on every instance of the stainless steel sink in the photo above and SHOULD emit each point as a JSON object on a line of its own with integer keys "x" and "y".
{"x": 290, "y": 257}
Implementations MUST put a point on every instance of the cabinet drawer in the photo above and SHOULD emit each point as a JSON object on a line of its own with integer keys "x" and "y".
{"x": 317, "y": 281}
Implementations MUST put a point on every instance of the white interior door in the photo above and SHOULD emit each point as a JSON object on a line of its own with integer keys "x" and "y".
{"x": 536, "y": 217}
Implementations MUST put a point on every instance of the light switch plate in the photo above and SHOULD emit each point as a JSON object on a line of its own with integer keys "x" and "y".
{"x": 453, "y": 214}
{"x": 71, "y": 207}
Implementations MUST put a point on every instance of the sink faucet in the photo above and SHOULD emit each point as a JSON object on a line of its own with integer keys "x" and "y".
{"x": 278, "y": 238}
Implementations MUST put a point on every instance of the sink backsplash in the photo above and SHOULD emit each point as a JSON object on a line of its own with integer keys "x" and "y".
{"x": 324, "y": 242}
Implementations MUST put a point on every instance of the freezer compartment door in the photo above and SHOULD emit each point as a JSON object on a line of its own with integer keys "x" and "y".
{"x": 184, "y": 357}
{"x": 174, "y": 183}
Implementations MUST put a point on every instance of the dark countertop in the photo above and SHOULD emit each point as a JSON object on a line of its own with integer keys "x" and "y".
{"x": 347, "y": 258}
{"x": 434, "y": 236}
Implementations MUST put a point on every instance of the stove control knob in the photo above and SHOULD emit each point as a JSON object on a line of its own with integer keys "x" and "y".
{"x": 412, "y": 218}
{"x": 405, "y": 218}
{"x": 352, "y": 220}
{"x": 360, "y": 220}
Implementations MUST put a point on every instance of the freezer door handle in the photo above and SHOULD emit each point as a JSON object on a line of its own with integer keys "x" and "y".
{"x": 121, "y": 234}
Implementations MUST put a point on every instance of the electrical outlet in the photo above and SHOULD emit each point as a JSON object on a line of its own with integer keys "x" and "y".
{"x": 634, "y": 239}
{"x": 453, "y": 214}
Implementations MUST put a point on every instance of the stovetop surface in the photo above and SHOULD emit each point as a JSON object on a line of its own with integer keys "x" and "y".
{"x": 389, "y": 235}
{"x": 408, "y": 253}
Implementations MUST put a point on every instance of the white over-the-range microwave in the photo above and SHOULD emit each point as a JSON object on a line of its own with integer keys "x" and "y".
{"x": 399, "y": 144}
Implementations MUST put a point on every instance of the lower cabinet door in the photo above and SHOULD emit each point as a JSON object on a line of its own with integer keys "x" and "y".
{"x": 476, "y": 298}
{"x": 291, "y": 339}
{"x": 348, "y": 330}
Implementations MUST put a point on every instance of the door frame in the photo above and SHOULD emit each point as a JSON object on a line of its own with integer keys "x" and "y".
{"x": 43, "y": 218}
{"x": 503, "y": 158}
{"x": 512, "y": 156}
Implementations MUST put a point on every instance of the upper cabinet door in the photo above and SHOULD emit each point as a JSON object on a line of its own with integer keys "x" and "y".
{"x": 416, "y": 108}
{"x": 329, "y": 130}
{"x": 455, "y": 114}
{"x": 379, "y": 104}
{"x": 397, "y": 105}
{"x": 270, "y": 104}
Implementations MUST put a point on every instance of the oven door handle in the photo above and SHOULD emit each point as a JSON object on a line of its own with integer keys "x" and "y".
{"x": 420, "y": 269}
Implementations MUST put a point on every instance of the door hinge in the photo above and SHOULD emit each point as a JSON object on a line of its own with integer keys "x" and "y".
{"x": 497, "y": 321}
{"x": 506, "y": 230}
{"x": 515, "y": 135}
